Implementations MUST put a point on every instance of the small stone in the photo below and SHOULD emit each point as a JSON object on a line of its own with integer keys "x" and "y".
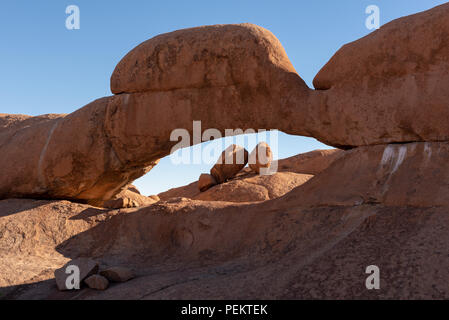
{"x": 117, "y": 274}
{"x": 206, "y": 181}
{"x": 97, "y": 282}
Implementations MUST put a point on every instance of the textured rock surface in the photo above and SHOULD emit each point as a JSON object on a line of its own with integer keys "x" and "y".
{"x": 128, "y": 198}
{"x": 413, "y": 174}
{"x": 202, "y": 57}
{"x": 69, "y": 157}
{"x": 231, "y": 161}
{"x": 30, "y": 229}
{"x": 97, "y": 282}
{"x": 312, "y": 162}
{"x": 257, "y": 189}
{"x": 390, "y": 86}
{"x": 87, "y": 267}
{"x": 117, "y": 274}
{"x": 245, "y": 187}
{"x": 249, "y": 187}
{"x": 213, "y": 250}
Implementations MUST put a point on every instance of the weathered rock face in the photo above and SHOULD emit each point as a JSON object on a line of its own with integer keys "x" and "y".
{"x": 246, "y": 186}
{"x": 312, "y": 162}
{"x": 202, "y": 57}
{"x": 128, "y": 198}
{"x": 413, "y": 174}
{"x": 250, "y": 187}
{"x": 68, "y": 157}
{"x": 233, "y": 159}
{"x": 390, "y": 86}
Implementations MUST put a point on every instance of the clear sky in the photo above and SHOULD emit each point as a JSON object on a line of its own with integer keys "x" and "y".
{"x": 46, "y": 68}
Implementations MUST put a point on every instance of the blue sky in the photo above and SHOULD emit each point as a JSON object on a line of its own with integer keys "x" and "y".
{"x": 46, "y": 68}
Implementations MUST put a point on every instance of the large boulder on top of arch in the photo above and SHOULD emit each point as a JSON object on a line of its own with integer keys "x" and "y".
{"x": 390, "y": 86}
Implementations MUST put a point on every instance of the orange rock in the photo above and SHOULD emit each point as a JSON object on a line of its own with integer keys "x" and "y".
{"x": 230, "y": 162}
{"x": 312, "y": 162}
{"x": 257, "y": 189}
{"x": 201, "y": 57}
{"x": 260, "y": 158}
{"x": 206, "y": 181}
{"x": 253, "y": 188}
{"x": 96, "y": 151}
{"x": 128, "y": 198}
{"x": 411, "y": 174}
{"x": 390, "y": 86}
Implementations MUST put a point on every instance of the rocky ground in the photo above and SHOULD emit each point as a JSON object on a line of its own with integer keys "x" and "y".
{"x": 301, "y": 245}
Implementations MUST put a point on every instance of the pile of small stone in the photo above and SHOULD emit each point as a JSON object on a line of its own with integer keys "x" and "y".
{"x": 233, "y": 160}
{"x": 85, "y": 270}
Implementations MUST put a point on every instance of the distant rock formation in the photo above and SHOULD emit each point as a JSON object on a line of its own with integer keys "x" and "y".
{"x": 247, "y": 186}
{"x": 128, "y": 198}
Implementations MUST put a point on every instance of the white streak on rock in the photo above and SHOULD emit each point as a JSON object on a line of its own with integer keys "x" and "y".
{"x": 40, "y": 169}
{"x": 401, "y": 156}
{"x": 388, "y": 155}
{"x": 428, "y": 150}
